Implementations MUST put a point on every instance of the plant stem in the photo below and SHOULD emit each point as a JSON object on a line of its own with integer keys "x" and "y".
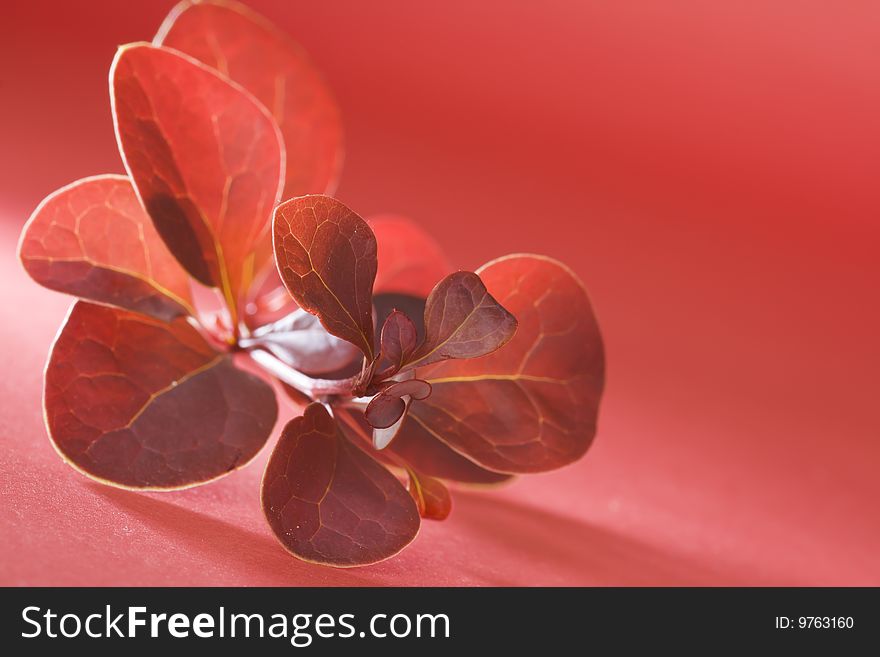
{"x": 314, "y": 388}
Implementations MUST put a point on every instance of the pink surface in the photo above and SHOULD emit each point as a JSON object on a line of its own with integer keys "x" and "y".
{"x": 709, "y": 170}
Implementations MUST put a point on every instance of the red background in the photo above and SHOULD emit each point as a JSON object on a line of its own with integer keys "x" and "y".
{"x": 709, "y": 169}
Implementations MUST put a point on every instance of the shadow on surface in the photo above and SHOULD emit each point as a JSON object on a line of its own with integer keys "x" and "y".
{"x": 536, "y": 547}
{"x": 576, "y": 552}
{"x": 259, "y": 558}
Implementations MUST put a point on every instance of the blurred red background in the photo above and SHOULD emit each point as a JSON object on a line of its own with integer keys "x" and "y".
{"x": 710, "y": 171}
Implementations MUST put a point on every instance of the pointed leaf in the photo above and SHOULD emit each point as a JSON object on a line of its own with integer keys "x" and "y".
{"x": 206, "y": 159}
{"x": 326, "y": 255}
{"x": 247, "y": 48}
{"x": 92, "y": 239}
{"x": 300, "y": 341}
{"x": 532, "y": 405}
{"x": 330, "y": 503}
{"x": 399, "y": 340}
{"x": 410, "y": 261}
{"x": 430, "y": 495}
{"x": 138, "y": 403}
{"x": 462, "y": 320}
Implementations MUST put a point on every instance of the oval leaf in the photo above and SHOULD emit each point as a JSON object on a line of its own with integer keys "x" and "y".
{"x": 399, "y": 340}
{"x": 410, "y": 261}
{"x": 248, "y": 49}
{"x": 532, "y": 405}
{"x": 415, "y": 388}
{"x": 92, "y": 239}
{"x": 387, "y": 410}
{"x": 206, "y": 159}
{"x": 326, "y": 255}
{"x": 328, "y": 502}
{"x": 384, "y": 411}
{"x": 138, "y": 403}
{"x": 462, "y": 320}
{"x": 430, "y": 495}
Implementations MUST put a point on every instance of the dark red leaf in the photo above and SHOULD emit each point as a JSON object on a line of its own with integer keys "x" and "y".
{"x": 205, "y": 157}
{"x": 326, "y": 255}
{"x": 247, "y": 48}
{"x": 328, "y": 502}
{"x": 410, "y": 261}
{"x": 418, "y": 446}
{"x": 462, "y": 320}
{"x": 415, "y": 388}
{"x": 431, "y": 496}
{"x": 384, "y": 410}
{"x": 138, "y": 403}
{"x": 422, "y": 451}
{"x": 532, "y": 405}
{"x": 399, "y": 340}
{"x": 92, "y": 239}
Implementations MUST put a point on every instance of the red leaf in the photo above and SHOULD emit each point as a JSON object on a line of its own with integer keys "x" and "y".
{"x": 410, "y": 261}
{"x": 92, "y": 239}
{"x": 532, "y": 405}
{"x": 326, "y": 255}
{"x": 462, "y": 320}
{"x": 430, "y": 495}
{"x": 415, "y": 388}
{"x": 399, "y": 340}
{"x": 205, "y": 157}
{"x": 328, "y": 502}
{"x": 387, "y": 410}
{"x": 247, "y": 48}
{"x": 419, "y": 447}
{"x": 384, "y": 410}
{"x": 138, "y": 403}
{"x": 388, "y": 406}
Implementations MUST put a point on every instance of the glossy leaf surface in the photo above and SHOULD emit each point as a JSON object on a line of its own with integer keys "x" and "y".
{"x": 247, "y": 48}
{"x": 462, "y": 320}
{"x": 532, "y": 405}
{"x": 329, "y": 502}
{"x": 205, "y": 157}
{"x": 410, "y": 261}
{"x": 431, "y": 496}
{"x": 139, "y": 403}
{"x": 92, "y": 239}
{"x": 326, "y": 255}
